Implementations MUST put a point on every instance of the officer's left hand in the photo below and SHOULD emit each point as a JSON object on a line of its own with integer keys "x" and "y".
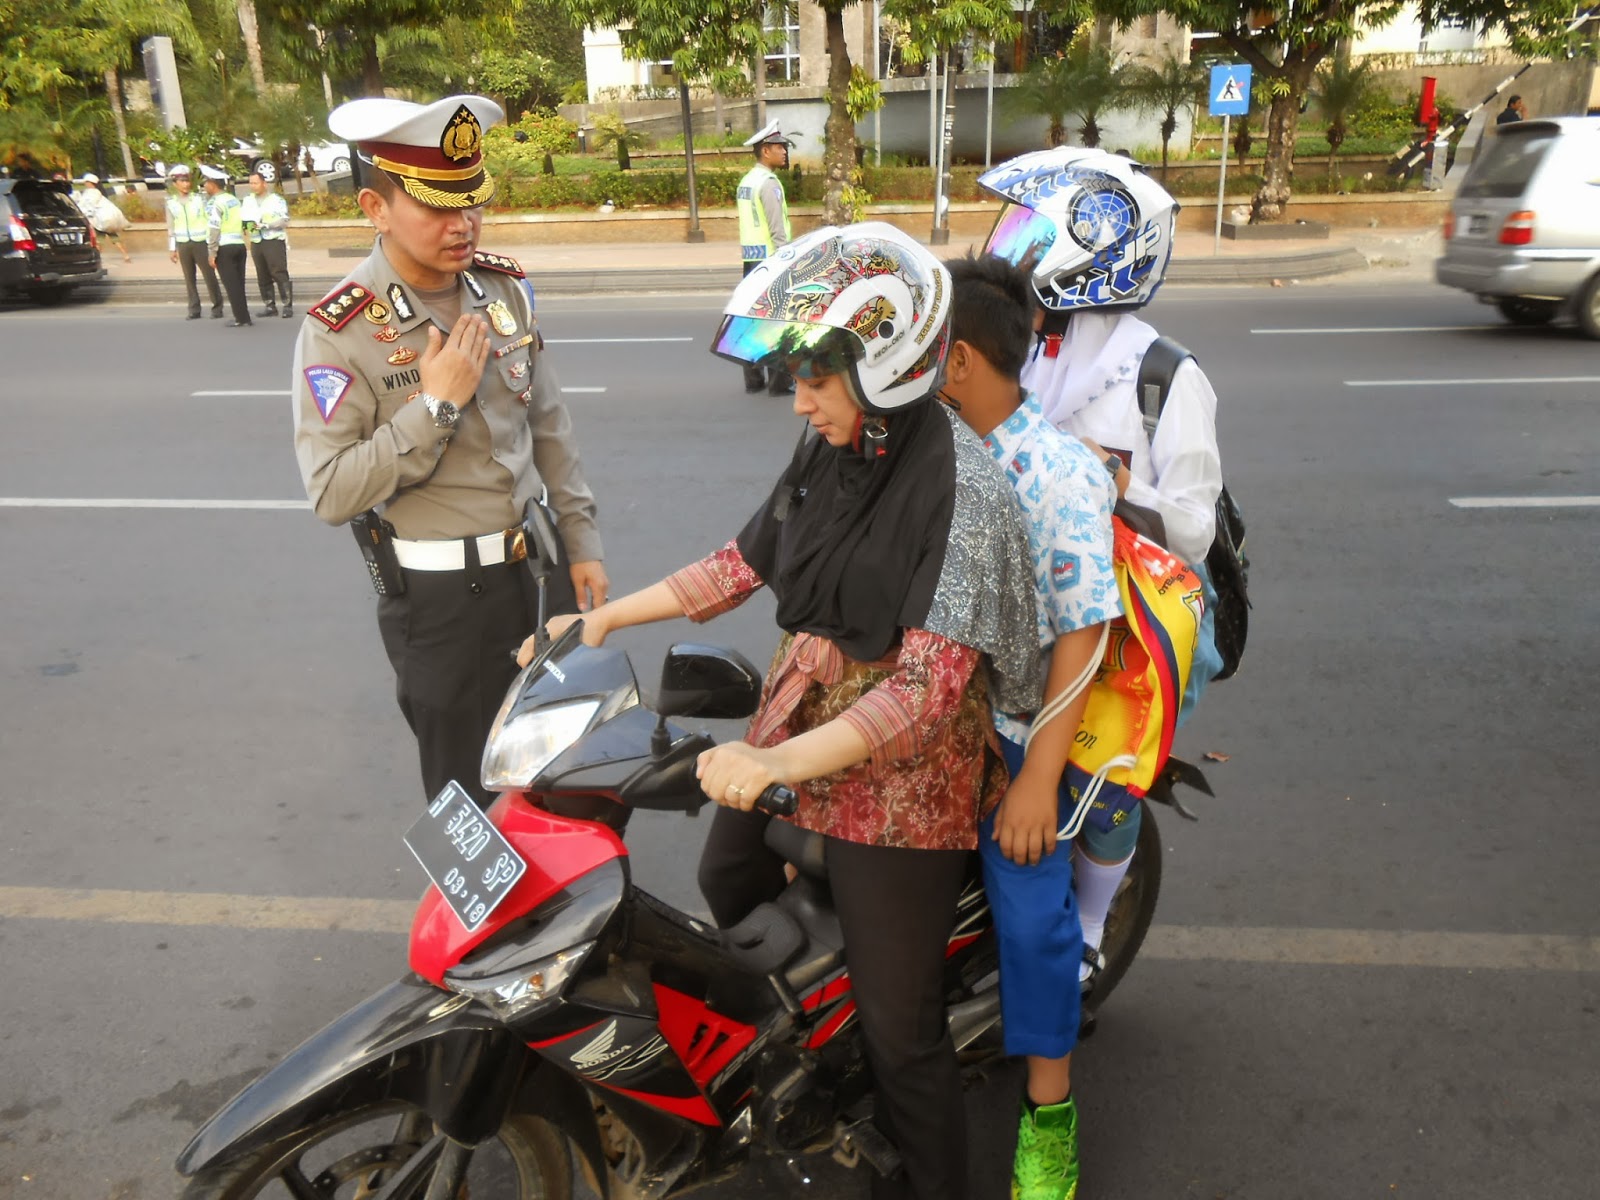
{"x": 590, "y": 582}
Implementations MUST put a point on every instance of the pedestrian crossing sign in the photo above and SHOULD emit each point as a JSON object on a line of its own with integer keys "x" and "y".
{"x": 1230, "y": 90}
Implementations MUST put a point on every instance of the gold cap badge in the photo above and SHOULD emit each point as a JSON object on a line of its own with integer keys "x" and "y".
{"x": 463, "y": 136}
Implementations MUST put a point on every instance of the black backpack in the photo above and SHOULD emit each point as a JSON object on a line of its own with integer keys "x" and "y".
{"x": 1225, "y": 561}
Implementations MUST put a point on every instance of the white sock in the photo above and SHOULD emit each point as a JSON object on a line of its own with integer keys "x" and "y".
{"x": 1096, "y": 885}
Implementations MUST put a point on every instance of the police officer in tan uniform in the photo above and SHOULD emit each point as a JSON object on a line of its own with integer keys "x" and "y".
{"x": 421, "y": 391}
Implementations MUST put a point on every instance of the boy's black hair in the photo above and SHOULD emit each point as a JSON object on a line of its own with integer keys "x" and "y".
{"x": 991, "y": 309}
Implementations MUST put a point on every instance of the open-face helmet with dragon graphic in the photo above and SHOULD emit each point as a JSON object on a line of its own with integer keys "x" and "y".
{"x": 866, "y": 301}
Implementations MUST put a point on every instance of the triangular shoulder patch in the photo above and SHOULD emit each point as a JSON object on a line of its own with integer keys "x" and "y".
{"x": 498, "y": 262}
{"x": 339, "y": 307}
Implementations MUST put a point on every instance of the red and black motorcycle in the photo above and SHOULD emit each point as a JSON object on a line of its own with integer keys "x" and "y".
{"x": 555, "y": 1010}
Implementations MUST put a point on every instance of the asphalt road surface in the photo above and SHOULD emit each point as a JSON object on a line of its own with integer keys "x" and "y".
{"x": 1376, "y": 970}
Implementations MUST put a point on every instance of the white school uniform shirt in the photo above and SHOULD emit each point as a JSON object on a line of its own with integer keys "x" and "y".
{"x": 1089, "y": 389}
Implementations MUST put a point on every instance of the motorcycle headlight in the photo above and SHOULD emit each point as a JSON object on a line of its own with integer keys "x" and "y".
{"x": 521, "y": 747}
{"x": 519, "y": 991}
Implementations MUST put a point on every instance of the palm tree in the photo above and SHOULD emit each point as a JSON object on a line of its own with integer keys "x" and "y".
{"x": 1083, "y": 82}
{"x": 1171, "y": 85}
{"x": 1338, "y": 91}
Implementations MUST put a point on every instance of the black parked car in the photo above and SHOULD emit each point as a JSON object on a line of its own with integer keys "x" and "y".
{"x": 46, "y": 245}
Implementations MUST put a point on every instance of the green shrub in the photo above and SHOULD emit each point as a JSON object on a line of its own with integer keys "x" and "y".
{"x": 324, "y": 204}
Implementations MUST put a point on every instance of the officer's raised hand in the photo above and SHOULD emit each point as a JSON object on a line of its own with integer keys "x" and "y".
{"x": 452, "y": 366}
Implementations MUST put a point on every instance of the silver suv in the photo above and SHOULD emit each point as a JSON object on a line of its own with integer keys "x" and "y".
{"x": 1524, "y": 229}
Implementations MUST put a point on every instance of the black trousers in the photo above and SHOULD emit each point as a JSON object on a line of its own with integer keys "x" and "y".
{"x": 270, "y": 257}
{"x": 896, "y": 908}
{"x": 452, "y": 650}
{"x": 192, "y": 257}
{"x": 230, "y": 266}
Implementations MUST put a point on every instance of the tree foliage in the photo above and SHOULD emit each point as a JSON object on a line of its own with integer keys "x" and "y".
{"x": 707, "y": 41}
{"x": 1170, "y": 85}
{"x": 1285, "y": 40}
{"x": 1337, "y": 91}
{"x": 1083, "y": 82}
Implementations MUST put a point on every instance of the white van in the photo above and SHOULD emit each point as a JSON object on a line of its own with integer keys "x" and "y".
{"x": 1523, "y": 232}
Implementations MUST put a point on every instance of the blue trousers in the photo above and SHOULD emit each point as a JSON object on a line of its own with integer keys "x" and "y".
{"x": 1041, "y": 943}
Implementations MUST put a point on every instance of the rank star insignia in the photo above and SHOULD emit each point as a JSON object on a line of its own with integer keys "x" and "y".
{"x": 378, "y": 313}
{"x": 402, "y": 356}
{"x": 387, "y": 334}
{"x": 502, "y": 320}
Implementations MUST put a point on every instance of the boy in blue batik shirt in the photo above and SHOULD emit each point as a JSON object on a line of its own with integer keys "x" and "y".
{"x": 1066, "y": 494}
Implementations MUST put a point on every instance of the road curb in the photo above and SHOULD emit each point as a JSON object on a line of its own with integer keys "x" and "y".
{"x": 611, "y": 281}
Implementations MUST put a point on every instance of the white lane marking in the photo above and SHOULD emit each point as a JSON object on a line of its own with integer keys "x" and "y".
{"x": 611, "y": 341}
{"x": 582, "y": 391}
{"x": 1252, "y": 944}
{"x": 97, "y": 502}
{"x": 1525, "y": 501}
{"x": 283, "y": 392}
{"x": 1389, "y": 329}
{"x": 1515, "y": 379}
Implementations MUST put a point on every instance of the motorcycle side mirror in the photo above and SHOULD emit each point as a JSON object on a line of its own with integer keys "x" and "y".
{"x": 707, "y": 681}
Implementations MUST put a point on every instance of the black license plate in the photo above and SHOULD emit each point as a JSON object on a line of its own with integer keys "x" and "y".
{"x": 69, "y": 239}
{"x": 468, "y": 859}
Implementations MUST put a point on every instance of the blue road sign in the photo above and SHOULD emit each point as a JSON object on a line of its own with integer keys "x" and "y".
{"x": 1230, "y": 90}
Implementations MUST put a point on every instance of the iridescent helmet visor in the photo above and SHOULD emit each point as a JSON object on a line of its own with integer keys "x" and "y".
{"x": 1020, "y": 235}
{"x": 805, "y": 349}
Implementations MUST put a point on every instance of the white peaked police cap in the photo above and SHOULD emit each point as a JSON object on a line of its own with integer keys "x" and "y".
{"x": 91, "y": 177}
{"x": 211, "y": 172}
{"x": 177, "y": 169}
{"x": 769, "y": 133}
{"x": 435, "y": 151}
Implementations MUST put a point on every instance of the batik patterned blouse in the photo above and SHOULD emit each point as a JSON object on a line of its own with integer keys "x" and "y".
{"x": 924, "y": 711}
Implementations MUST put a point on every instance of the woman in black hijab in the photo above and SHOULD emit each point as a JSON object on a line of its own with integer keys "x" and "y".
{"x": 906, "y": 601}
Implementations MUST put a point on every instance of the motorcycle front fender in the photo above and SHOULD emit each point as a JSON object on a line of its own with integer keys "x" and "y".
{"x": 411, "y": 1042}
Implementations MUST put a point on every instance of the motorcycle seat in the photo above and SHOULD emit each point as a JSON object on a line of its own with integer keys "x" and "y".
{"x": 800, "y": 848}
{"x": 764, "y": 940}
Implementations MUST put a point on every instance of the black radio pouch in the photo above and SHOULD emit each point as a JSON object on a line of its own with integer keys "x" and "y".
{"x": 375, "y": 536}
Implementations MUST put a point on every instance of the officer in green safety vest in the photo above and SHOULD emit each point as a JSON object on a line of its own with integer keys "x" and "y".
{"x": 763, "y": 227}
{"x": 225, "y": 237}
{"x": 186, "y": 239}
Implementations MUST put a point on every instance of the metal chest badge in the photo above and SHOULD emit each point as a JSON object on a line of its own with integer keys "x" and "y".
{"x": 378, "y": 313}
{"x": 387, "y": 334}
{"x": 402, "y": 356}
{"x": 502, "y": 320}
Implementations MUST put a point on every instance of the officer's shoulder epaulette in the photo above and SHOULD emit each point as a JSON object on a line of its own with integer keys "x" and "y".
{"x": 339, "y": 307}
{"x": 498, "y": 262}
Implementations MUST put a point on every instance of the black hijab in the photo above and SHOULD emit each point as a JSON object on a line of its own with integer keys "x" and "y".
{"x": 853, "y": 546}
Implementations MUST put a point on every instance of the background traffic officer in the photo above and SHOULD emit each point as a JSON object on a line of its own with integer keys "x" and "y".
{"x": 763, "y": 227}
{"x": 186, "y": 239}
{"x": 266, "y": 225}
{"x": 225, "y": 237}
{"x": 421, "y": 390}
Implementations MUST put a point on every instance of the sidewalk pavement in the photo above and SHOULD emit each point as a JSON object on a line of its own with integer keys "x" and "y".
{"x": 577, "y": 269}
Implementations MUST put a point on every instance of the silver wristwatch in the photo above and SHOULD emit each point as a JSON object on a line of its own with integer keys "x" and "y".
{"x": 444, "y": 414}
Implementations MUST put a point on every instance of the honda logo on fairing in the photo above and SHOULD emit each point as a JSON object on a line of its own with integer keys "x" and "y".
{"x": 594, "y": 1056}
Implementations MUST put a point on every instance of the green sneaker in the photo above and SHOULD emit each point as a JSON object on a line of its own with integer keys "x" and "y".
{"x": 1046, "y": 1166}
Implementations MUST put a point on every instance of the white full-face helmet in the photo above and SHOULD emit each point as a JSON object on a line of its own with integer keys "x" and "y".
{"x": 866, "y": 301}
{"x": 1094, "y": 227}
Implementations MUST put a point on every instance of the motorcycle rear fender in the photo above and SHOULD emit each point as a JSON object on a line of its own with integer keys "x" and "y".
{"x": 411, "y": 1041}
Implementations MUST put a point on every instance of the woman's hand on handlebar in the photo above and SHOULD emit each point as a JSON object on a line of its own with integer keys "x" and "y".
{"x": 594, "y": 632}
{"x": 736, "y": 773}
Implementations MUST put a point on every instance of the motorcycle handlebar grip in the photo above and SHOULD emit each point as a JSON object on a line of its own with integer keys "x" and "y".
{"x": 778, "y": 800}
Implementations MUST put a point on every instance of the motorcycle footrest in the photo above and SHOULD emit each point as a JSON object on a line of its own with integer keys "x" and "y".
{"x": 864, "y": 1142}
